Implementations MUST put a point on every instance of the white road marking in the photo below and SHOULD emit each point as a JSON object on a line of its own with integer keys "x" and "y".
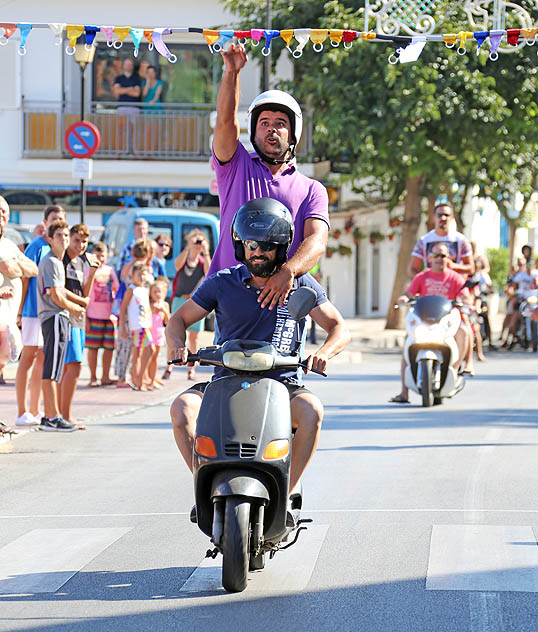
{"x": 304, "y": 512}
{"x": 486, "y": 612}
{"x": 43, "y": 560}
{"x": 289, "y": 570}
{"x": 483, "y": 557}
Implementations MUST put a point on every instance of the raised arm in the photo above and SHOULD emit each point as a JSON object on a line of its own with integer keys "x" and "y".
{"x": 226, "y": 137}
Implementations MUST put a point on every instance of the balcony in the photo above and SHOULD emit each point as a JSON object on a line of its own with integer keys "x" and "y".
{"x": 177, "y": 132}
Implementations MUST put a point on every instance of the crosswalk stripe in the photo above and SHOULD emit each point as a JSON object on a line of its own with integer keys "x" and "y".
{"x": 288, "y": 571}
{"x": 483, "y": 557}
{"x": 43, "y": 560}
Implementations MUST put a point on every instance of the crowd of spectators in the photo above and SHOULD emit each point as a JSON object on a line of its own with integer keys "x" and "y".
{"x": 58, "y": 300}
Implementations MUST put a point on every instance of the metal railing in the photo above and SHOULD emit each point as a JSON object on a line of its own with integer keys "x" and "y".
{"x": 172, "y": 132}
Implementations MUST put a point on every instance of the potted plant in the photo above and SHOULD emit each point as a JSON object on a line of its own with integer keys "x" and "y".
{"x": 357, "y": 235}
{"x": 336, "y": 233}
{"x": 395, "y": 221}
{"x": 376, "y": 236}
{"x": 344, "y": 251}
{"x": 390, "y": 236}
{"x": 348, "y": 226}
{"x": 329, "y": 252}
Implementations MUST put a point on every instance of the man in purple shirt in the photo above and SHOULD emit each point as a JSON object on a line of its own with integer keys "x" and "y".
{"x": 275, "y": 124}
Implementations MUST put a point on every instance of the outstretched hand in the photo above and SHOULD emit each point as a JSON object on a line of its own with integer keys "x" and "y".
{"x": 276, "y": 289}
{"x": 234, "y": 57}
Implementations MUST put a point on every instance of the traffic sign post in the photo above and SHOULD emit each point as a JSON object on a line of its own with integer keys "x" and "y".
{"x": 82, "y": 139}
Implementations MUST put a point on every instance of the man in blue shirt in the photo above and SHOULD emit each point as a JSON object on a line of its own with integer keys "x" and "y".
{"x": 234, "y": 295}
{"x": 32, "y": 338}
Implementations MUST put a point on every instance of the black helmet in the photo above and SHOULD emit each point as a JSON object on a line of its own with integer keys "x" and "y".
{"x": 263, "y": 219}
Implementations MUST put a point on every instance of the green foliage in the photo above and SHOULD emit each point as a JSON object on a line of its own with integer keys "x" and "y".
{"x": 447, "y": 117}
{"x": 499, "y": 266}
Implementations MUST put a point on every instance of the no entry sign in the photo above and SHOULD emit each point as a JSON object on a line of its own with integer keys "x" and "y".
{"x": 82, "y": 139}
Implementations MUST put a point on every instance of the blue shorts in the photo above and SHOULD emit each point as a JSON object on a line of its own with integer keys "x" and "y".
{"x": 75, "y": 346}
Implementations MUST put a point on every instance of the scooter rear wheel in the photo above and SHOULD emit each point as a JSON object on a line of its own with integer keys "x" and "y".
{"x": 426, "y": 382}
{"x": 235, "y": 549}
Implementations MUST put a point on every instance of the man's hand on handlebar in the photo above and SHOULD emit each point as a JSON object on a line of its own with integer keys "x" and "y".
{"x": 180, "y": 355}
{"x": 317, "y": 361}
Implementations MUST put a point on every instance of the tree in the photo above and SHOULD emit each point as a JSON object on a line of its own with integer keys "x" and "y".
{"x": 399, "y": 132}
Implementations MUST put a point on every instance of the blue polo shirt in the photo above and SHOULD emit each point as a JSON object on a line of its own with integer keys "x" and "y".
{"x": 240, "y": 316}
{"x": 36, "y": 251}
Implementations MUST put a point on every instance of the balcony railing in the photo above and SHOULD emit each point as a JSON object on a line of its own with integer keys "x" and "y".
{"x": 175, "y": 132}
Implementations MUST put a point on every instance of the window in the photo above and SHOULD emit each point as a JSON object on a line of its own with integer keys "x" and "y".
{"x": 186, "y": 229}
{"x": 192, "y": 79}
{"x": 162, "y": 228}
{"x": 114, "y": 237}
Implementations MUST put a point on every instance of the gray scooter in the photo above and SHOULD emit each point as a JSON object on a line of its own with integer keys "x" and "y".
{"x": 242, "y": 453}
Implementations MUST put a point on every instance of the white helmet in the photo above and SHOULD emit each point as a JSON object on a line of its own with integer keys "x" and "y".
{"x": 276, "y": 100}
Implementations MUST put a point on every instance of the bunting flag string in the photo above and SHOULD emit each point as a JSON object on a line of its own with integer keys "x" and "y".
{"x": 216, "y": 39}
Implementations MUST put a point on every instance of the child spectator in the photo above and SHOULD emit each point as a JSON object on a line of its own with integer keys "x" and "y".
{"x": 77, "y": 282}
{"x": 55, "y": 304}
{"x": 101, "y": 324}
{"x": 160, "y": 314}
{"x": 135, "y": 319}
{"x": 142, "y": 253}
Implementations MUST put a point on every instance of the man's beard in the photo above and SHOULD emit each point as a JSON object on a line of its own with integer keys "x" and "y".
{"x": 263, "y": 269}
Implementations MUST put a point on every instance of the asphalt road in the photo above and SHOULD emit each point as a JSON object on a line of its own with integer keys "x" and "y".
{"x": 424, "y": 519}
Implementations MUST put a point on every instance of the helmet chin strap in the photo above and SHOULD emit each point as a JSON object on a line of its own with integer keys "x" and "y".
{"x": 275, "y": 161}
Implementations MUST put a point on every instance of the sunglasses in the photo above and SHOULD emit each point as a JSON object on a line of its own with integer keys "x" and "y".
{"x": 438, "y": 255}
{"x": 163, "y": 244}
{"x": 265, "y": 246}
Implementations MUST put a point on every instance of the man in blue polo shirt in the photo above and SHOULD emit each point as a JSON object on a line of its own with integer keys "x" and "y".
{"x": 262, "y": 233}
{"x": 32, "y": 338}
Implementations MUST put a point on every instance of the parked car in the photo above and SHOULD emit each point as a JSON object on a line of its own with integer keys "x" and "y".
{"x": 19, "y": 236}
{"x": 173, "y": 223}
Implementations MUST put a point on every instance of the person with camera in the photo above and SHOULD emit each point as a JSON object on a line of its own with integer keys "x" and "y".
{"x": 192, "y": 265}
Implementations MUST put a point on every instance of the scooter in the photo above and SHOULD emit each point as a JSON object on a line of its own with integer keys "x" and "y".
{"x": 528, "y": 330}
{"x": 430, "y": 348}
{"x": 242, "y": 453}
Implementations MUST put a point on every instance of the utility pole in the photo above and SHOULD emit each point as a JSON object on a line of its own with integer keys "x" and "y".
{"x": 268, "y": 58}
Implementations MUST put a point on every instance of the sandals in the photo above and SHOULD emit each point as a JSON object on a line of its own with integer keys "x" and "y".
{"x": 399, "y": 399}
{"x": 167, "y": 373}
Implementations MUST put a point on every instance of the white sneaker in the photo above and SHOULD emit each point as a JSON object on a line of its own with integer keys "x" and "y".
{"x": 27, "y": 419}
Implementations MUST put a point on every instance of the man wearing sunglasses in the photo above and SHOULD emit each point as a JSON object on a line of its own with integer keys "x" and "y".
{"x": 459, "y": 247}
{"x": 438, "y": 279}
{"x": 262, "y": 233}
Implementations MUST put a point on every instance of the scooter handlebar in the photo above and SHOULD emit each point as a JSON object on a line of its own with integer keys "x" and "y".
{"x": 192, "y": 357}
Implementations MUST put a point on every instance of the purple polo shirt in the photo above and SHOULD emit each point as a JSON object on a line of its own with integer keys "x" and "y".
{"x": 246, "y": 177}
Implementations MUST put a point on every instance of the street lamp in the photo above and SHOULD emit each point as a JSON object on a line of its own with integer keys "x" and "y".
{"x": 84, "y": 55}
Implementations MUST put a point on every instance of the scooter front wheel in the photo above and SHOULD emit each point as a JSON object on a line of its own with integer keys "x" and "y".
{"x": 235, "y": 549}
{"x": 426, "y": 382}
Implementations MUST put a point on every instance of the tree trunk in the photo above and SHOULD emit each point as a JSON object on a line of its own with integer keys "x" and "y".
{"x": 411, "y": 223}
{"x": 512, "y": 227}
{"x": 431, "y": 205}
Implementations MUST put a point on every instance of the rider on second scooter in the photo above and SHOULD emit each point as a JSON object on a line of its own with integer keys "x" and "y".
{"x": 436, "y": 280}
{"x": 262, "y": 232}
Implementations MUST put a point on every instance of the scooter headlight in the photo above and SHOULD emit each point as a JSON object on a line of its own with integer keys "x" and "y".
{"x": 238, "y": 361}
{"x": 429, "y": 333}
{"x": 276, "y": 449}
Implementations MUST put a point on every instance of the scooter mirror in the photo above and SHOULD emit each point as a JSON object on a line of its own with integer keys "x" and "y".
{"x": 301, "y": 302}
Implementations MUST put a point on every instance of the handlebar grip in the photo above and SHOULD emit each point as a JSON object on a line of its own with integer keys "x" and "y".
{"x": 192, "y": 357}
{"x": 303, "y": 365}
